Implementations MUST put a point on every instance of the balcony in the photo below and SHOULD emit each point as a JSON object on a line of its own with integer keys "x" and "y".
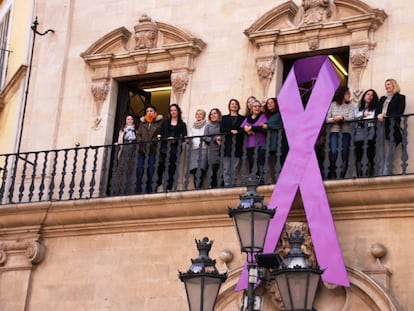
{"x": 176, "y": 165}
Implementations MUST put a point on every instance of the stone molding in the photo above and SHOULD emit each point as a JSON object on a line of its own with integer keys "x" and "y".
{"x": 12, "y": 85}
{"x": 201, "y": 209}
{"x": 288, "y": 29}
{"x": 154, "y": 46}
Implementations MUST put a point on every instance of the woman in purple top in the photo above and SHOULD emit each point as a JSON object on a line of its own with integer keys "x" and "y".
{"x": 254, "y": 126}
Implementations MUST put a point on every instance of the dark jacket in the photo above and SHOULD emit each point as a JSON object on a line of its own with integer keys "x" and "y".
{"x": 396, "y": 108}
{"x": 178, "y": 131}
{"x": 229, "y": 123}
{"x": 274, "y": 130}
{"x": 148, "y": 132}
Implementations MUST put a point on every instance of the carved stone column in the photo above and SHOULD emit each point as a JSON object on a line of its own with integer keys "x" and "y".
{"x": 179, "y": 82}
{"x": 99, "y": 91}
{"x": 265, "y": 69}
{"x": 358, "y": 58}
{"x": 17, "y": 260}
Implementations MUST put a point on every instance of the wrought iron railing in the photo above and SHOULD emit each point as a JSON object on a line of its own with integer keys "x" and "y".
{"x": 179, "y": 165}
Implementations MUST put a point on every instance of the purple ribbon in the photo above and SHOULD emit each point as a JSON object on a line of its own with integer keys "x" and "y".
{"x": 301, "y": 170}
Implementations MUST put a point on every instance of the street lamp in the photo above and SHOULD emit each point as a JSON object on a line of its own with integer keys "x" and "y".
{"x": 202, "y": 281}
{"x": 297, "y": 281}
{"x": 251, "y": 220}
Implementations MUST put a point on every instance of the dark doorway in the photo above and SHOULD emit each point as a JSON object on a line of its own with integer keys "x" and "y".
{"x": 338, "y": 57}
{"x": 134, "y": 94}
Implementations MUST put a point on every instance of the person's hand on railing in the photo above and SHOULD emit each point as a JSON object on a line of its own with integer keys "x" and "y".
{"x": 338, "y": 119}
{"x": 380, "y": 117}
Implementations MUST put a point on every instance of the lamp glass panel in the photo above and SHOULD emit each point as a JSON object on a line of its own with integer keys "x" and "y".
{"x": 297, "y": 283}
{"x": 282, "y": 284}
{"x": 243, "y": 224}
{"x": 193, "y": 287}
{"x": 313, "y": 287}
{"x": 261, "y": 222}
{"x": 211, "y": 289}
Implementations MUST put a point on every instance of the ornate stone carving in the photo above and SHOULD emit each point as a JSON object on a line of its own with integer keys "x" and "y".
{"x": 313, "y": 43}
{"x": 358, "y": 58}
{"x": 179, "y": 82}
{"x": 273, "y": 290}
{"x": 35, "y": 252}
{"x": 265, "y": 70}
{"x": 146, "y": 33}
{"x": 307, "y": 246}
{"x": 142, "y": 67}
{"x": 33, "y": 249}
{"x": 99, "y": 91}
{"x": 314, "y": 12}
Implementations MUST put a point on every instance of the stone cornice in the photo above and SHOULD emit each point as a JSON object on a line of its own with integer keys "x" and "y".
{"x": 349, "y": 200}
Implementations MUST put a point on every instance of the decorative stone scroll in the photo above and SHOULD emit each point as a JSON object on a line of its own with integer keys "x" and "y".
{"x": 265, "y": 70}
{"x": 33, "y": 250}
{"x": 358, "y": 58}
{"x": 179, "y": 82}
{"x": 99, "y": 91}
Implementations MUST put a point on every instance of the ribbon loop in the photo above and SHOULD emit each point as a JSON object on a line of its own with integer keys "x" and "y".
{"x": 301, "y": 169}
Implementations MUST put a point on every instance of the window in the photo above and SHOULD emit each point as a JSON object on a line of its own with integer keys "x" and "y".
{"x": 4, "y": 36}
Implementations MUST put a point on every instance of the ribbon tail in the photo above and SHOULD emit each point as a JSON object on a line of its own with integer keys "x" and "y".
{"x": 322, "y": 227}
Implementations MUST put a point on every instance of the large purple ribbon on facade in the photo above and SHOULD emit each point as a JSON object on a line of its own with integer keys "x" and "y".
{"x": 301, "y": 170}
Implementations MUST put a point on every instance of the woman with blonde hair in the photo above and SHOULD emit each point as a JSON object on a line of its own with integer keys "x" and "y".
{"x": 198, "y": 149}
{"x": 390, "y": 108}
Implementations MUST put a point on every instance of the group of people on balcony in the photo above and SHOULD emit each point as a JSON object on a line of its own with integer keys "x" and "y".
{"x": 387, "y": 110}
{"x": 218, "y": 147}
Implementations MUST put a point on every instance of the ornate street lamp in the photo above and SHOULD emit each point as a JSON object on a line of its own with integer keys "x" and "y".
{"x": 297, "y": 281}
{"x": 251, "y": 220}
{"x": 202, "y": 281}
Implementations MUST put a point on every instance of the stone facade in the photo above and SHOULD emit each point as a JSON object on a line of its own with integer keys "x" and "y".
{"x": 124, "y": 253}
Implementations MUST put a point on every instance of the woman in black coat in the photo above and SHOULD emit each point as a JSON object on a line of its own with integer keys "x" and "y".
{"x": 233, "y": 142}
{"x": 173, "y": 131}
{"x": 390, "y": 108}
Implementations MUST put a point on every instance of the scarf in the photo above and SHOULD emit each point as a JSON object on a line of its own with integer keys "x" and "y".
{"x": 129, "y": 133}
{"x": 149, "y": 119}
{"x": 199, "y": 124}
{"x": 250, "y": 120}
{"x": 386, "y": 102}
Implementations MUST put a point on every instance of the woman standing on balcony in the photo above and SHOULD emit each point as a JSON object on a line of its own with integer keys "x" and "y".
{"x": 212, "y": 138}
{"x": 366, "y": 111}
{"x": 254, "y": 127}
{"x": 146, "y": 135}
{"x": 276, "y": 138}
{"x": 390, "y": 108}
{"x": 123, "y": 182}
{"x": 340, "y": 132}
{"x": 173, "y": 131}
{"x": 233, "y": 142}
{"x": 198, "y": 149}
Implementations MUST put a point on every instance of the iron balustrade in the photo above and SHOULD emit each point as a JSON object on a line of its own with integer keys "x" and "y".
{"x": 165, "y": 165}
